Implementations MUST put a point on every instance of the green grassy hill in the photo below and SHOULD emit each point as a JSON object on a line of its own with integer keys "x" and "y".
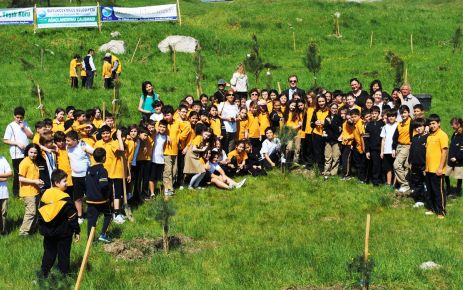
{"x": 280, "y": 231}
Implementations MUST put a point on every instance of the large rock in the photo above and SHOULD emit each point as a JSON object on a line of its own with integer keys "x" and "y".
{"x": 180, "y": 43}
{"x": 114, "y": 46}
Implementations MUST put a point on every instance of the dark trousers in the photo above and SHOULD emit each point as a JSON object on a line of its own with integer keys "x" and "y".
{"x": 108, "y": 83}
{"x": 375, "y": 168}
{"x": 74, "y": 82}
{"x": 180, "y": 166}
{"x": 359, "y": 162}
{"x": 448, "y": 188}
{"x": 84, "y": 81}
{"x": 346, "y": 160}
{"x": 144, "y": 167}
{"x": 318, "y": 151}
{"x": 307, "y": 150}
{"x": 230, "y": 142}
{"x": 436, "y": 193}
{"x": 93, "y": 211}
{"x": 54, "y": 246}
{"x": 255, "y": 143}
{"x": 417, "y": 183}
{"x": 89, "y": 80}
{"x": 16, "y": 175}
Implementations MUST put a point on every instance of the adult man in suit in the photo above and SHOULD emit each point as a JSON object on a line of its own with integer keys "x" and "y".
{"x": 292, "y": 81}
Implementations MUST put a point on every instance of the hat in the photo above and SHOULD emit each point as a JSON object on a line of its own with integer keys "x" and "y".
{"x": 108, "y": 54}
{"x": 221, "y": 82}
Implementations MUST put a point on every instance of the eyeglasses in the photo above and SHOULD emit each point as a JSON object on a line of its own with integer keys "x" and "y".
{"x": 293, "y": 81}
{"x": 253, "y": 94}
{"x": 229, "y": 94}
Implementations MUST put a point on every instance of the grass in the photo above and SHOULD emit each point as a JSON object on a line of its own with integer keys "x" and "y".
{"x": 279, "y": 231}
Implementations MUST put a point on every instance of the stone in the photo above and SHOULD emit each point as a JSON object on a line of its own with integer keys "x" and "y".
{"x": 115, "y": 34}
{"x": 429, "y": 265}
{"x": 114, "y": 46}
{"x": 180, "y": 43}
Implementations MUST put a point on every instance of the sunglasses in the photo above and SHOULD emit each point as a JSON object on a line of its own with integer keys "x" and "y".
{"x": 293, "y": 81}
{"x": 229, "y": 94}
{"x": 253, "y": 94}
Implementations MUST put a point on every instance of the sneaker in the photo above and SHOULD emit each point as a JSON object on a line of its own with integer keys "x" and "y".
{"x": 104, "y": 238}
{"x": 345, "y": 178}
{"x": 181, "y": 187}
{"x": 80, "y": 220}
{"x": 326, "y": 177}
{"x": 119, "y": 219}
{"x": 169, "y": 193}
{"x": 241, "y": 183}
{"x": 418, "y": 204}
{"x": 429, "y": 212}
{"x": 403, "y": 189}
{"x": 440, "y": 216}
{"x": 152, "y": 195}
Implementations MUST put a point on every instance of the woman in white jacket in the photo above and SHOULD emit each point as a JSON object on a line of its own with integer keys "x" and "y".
{"x": 239, "y": 81}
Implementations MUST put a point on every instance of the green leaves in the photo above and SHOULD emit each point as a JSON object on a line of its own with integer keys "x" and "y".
{"x": 398, "y": 65}
{"x": 253, "y": 61}
{"x": 313, "y": 60}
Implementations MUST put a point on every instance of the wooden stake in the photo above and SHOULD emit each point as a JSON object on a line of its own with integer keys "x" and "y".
{"x": 34, "y": 15}
{"x": 279, "y": 87}
{"x": 85, "y": 259}
{"x": 136, "y": 47}
{"x": 178, "y": 12}
{"x": 98, "y": 15}
{"x": 174, "y": 59}
{"x": 104, "y": 111}
{"x": 294, "y": 40}
{"x": 128, "y": 210}
{"x": 371, "y": 40}
{"x": 367, "y": 238}
{"x": 40, "y": 101}
{"x": 406, "y": 75}
{"x": 411, "y": 42}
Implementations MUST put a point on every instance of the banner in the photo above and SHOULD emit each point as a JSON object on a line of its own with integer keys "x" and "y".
{"x": 85, "y": 16}
{"x": 16, "y": 16}
{"x": 148, "y": 13}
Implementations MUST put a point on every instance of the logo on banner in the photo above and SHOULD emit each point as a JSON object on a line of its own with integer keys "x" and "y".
{"x": 107, "y": 11}
{"x": 42, "y": 14}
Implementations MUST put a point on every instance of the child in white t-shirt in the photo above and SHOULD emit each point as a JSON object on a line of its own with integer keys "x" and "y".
{"x": 387, "y": 154}
{"x": 157, "y": 158}
{"x": 78, "y": 153}
{"x": 5, "y": 172}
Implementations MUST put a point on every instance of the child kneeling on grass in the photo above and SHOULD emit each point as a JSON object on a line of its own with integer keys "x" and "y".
{"x": 218, "y": 176}
{"x": 99, "y": 191}
{"x": 57, "y": 223}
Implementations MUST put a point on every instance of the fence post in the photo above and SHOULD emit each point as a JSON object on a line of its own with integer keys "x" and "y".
{"x": 98, "y": 15}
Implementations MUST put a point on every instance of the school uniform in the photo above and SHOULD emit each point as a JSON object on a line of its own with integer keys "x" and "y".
{"x": 30, "y": 194}
{"x": 455, "y": 168}
{"x": 417, "y": 160}
{"x": 358, "y": 155}
{"x": 243, "y": 126}
{"x": 272, "y": 150}
{"x": 170, "y": 154}
{"x": 114, "y": 165}
{"x": 99, "y": 196}
{"x": 317, "y": 138}
{"x": 79, "y": 161}
{"x": 73, "y": 73}
{"x": 254, "y": 130}
{"x": 237, "y": 159}
{"x": 306, "y": 142}
{"x": 401, "y": 145}
{"x": 437, "y": 141}
{"x": 4, "y": 168}
{"x": 332, "y": 128}
{"x": 372, "y": 140}
{"x": 57, "y": 223}
{"x": 347, "y": 135}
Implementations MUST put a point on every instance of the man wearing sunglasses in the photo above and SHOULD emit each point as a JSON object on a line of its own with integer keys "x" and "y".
{"x": 292, "y": 81}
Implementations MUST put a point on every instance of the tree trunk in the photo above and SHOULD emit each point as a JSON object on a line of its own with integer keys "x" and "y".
{"x": 165, "y": 236}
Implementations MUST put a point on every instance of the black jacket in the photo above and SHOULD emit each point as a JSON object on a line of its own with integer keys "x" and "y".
{"x": 361, "y": 99}
{"x": 372, "y": 136}
{"x": 456, "y": 150}
{"x": 274, "y": 120}
{"x": 65, "y": 224}
{"x": 332, "y": 128}
{"x": 97, "y": 186}
{"x": 417, "y": 156}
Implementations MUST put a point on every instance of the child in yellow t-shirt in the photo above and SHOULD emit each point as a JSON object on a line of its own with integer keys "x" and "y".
{"x": 29, "y": 187}
{"x": 107, "y": 72}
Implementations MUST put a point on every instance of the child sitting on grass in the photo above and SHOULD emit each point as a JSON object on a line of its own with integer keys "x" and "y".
{"x": 218, "y": 176}
{"x": 58, "y": 223}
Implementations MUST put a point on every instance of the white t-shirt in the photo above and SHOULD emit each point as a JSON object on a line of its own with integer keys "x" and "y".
{"x": 4, "y": 168}
{"x": 239, "y": 82}
{"x": 229, "y": 111}
{"x": 213, "y": 167}
{"x": 158, "y": 150}
{"x": 157, "y": 117}
{"x": 79, "y": 159}
{"x": 388, "y": 133}
{"x": 269, "y": 147}
{"x": 14, "y": 132}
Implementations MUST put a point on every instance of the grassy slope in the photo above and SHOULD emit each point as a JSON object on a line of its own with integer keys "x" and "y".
{"x": 302, "y": 231}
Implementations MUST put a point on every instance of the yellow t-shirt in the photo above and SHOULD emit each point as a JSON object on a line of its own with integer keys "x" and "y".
{"x": 264, "y": 122}
{"x": 216, "y": 126}
{"x": 347, "y": 133}
{"x": 436, "y": 142}
{"x": 113, "y": 60}
{"x": 173, "y": 130}
{"x": 308, "y": 128}
{"x": 57, "y": 126}
{"x": 404, "y": 132}
{"x": 253, "y": 126}
{"x": 359, "y": 131}
{"x": 197, "y": 141}
{"x": 113, "y": 164}
{"x": 63, "y": 163}
{"x": 97, "y": 123}
{"x": 243, "y": 125}
{"x": 73, "y": 68}
{"x": 143, "y": 154}
{"x": 30, "y": 170}
{"x": 130, "y": 150}
{"x": 239, "y": 157}
{"x": 36, "y": 138}
{"x": 106, "y": 71}
{"x": 321, "y": 116}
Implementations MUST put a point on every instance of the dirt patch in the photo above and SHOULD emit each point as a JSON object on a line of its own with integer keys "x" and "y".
{"x": 144, "y": 248}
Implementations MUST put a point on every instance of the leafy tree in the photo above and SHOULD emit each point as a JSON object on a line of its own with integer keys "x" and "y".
{"x": 253, "y": 61}
{"x": 313, "y": 60}
{"x": 398, "y": 65}
{"x": 164, "y": 210}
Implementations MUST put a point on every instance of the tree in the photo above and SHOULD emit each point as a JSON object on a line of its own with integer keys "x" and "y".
{"x": 313, "y": 60}
{"x": 198, "y": 61}
{"x": 398, "y": 65}
{"x": 457, "y": 39}
{"x": 164, "y": 210}
{"x": 253, "y": 61}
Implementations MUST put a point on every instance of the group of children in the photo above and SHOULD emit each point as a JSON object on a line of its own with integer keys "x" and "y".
{"x": 81, "y": 155}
